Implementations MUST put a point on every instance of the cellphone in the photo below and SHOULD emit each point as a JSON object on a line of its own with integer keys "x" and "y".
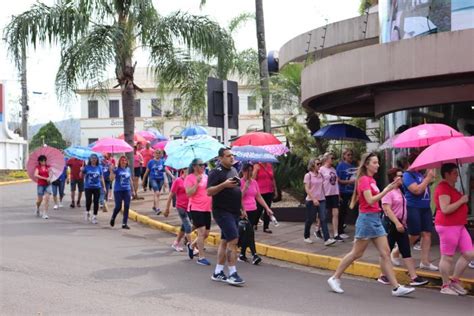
{"x": 236, "y": 179}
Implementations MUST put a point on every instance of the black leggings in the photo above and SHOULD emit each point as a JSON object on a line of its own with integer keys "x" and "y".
{"x": 268, "y": 197}
{"x": 92, "y": 195}
{"x": 249, "y": 242}
{"x": 402, "y": 241}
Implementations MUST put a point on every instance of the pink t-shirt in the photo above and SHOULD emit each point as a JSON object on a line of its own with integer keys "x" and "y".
{"x": 137, "y": 160}
{"x": 147, "y": 155}
{"x": 200, "y": 201}
{"x": 315, "y": 186}
{"x": 367, "y": 183}
{"x": 265, "y": 178}
{"x": 398, "y": 204}
{"x": 178, "y": 188}
{"x": 330, "y": 180}
{"x": 249, "y": 203}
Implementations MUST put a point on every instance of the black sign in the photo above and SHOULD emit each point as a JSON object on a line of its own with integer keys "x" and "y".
{"x": 215, "y": 103}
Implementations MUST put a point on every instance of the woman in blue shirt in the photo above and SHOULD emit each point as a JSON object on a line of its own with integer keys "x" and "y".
{"x": 156, "y": 170}
{"x": 93, "y": 181}
{"x": 104, "y": 191}
{"x": 123, "y": 188}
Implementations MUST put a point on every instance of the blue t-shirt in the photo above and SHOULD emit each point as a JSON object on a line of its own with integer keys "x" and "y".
{"x": 92, "y": 175}
{"x": 157, "y": 169}
{"x": 422, "y": 200}
{"x": 346, "y": 171}
{"x": 105, "y": 170}
{"x": 122, "y": 179}
{"x": 63, "y": 175}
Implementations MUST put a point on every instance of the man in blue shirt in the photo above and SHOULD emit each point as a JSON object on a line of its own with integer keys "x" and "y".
{"x": 345, "y": 170}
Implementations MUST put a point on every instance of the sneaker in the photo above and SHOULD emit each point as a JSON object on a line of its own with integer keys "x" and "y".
{"x": 235, "y": 279}
{"x": 221, "y": 277}
{"x": 402, "y": 290}
{"x": 112, "y": 222}
{"x": 78, "y": 204}
{"x": 329, "y": 242}
{"x": 94, "y": 219}
{"x": 446, "y": 289}
{"x": 242, "y": 258}
{"x": 418, "y": 281}
{"x": 384, "y": 280}
{"x": 430, "y": 267}
{"x": 55, "y": 207}
{"x": 196, "y": 251}
{"x": 256, "y": 260}
{"x": 338, "y": 238}
{"x": 37, "y": 212}
{"x": 457, "y": 287}
{"x": 471, "y": 265}
{"x": 125, "y": 226}
{"x": 344, "y": 236}
{"x": 60, "y": 205}
{"x": 72, "y": 205}
{"x": 335, "y": 285}
{"x": 177, "y": 247}
{"x": 87, "y": 216}
{"x": 203, "y": 262}
{"x": 158, "y": 211}
{"x": 318, "y": 234}
{"x": 45, "y": 216}
{"x": 308, "y": 240}
{"x": 190, "y": 251}
{"x": 395, "y": 261}
{"x": 417, "y": 246}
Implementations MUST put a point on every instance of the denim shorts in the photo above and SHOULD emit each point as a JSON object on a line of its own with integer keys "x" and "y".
{"x": 185, "y": 221}
{"x": 42, "y": 189}
{"x": 157, "y": 184}
{"x": 229, "y": 225}
{"x": 419, "y": 220}
{"x": 369, "y": 226}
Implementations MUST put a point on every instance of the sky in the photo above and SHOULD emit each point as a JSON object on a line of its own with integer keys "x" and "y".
{"x": 283, "y": 21}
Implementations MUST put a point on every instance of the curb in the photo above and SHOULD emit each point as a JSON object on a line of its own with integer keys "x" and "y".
{"x": 15, "y": 182}
{"x": 358, "y": 268}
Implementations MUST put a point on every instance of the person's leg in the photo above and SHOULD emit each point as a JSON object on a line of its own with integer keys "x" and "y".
{"x": 322, "y": 220}
{"x": 135, "y": 186}
{"x": 310, "y": 218}
{"x": 268, "y": 197}
{"x": 251, "y": 240}
{"x": 335, "y": 220}
{"x": 403, "y": 243}
{"x": 88, "y": 194}
{"x": 231, "y": 253}
{"x": 425, "y": 248}
{"x": 126, "y": 196}
{"x": 73, "y": 193}
{"x": 445, "y": 265}
{"x": 80, "y": 186}
{"x": 39, "y": 200}
{"x": 118, "y": 199}
{"x": 199, "y": 242}
{"x": 96, "y": 196}
{"x": 55, "y": 194}
{"x": 343, "y": 207}
{"x": 46, "y": 203}
{"x": 385, "y": 263}
{"x": 61, "y": 191}
{"x": 357, "y": 252}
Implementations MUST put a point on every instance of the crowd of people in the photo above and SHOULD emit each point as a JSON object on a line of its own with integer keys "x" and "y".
{"x": 393, "y": 219}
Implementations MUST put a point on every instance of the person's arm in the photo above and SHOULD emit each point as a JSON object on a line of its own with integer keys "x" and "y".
{"x": 145, "y": 176}
{"x": 307, "y": 188}
{"x": 389, "y": 212}
{"x": 168, "y": 203}
{"x": 227, "y": 184}
{"x": 103, "y": 181}
{"x": 191, "y": 190}
{"x": 81, "y": 173}
{"x": 168, "y": 172}
{"x": 418, "y": 189}
{"x": 38, "y": 176}
{"x": 246, "y": 186}
{"x": 372, "y": 199}
{"x": 262, "y": 202}
{"x": 112, "y": 173}
{"x": 447, "y": 207}
{"x": 255, "y": 171}
{"x": 275, "y": 188}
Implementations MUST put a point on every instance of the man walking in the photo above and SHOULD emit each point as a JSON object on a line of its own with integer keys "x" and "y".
{"x": 223, "y": 185}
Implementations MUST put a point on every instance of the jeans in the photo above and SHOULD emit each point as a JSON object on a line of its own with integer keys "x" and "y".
{"x": 119, "y": 197}
{"x": 311, "y": 212}
{"x": 343, "y": 210}
{"x": 60, "y": 188}
{"x": 268, "y": 197}
{"x": 92, "y": 195}
{"x": 186, "y": 222}
{"x": 104, "y": 192}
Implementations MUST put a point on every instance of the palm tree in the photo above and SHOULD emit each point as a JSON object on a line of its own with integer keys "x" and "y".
{"x": 95, "y": 34}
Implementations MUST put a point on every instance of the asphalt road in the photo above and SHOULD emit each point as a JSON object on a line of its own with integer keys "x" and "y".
{"x": 63, "y": 266}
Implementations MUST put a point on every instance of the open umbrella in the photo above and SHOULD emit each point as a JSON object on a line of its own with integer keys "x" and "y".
{"x": 181, "y": 152}
{"x": 425, "y": 135}
{"x": 158, "y": 135}
{"x": 149, "y": 136}
{"x": 266, "y": 141}
{"x": 137, "y": 138}
{"x": 54, "y": 159}
{"x": 253, "y": 154}
{"x": 342, "y": 131}
{"x": 112, "y": 145}
{"x": 80, "y": 152}
{"x": 160, "y": 145}
{"x": 193, "y": 130}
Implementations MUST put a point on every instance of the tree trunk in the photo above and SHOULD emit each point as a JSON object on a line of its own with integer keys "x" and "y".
{"x": 128, "y": 103}
{"x": 24, "y": 104}
{"x": 263, "y": 65}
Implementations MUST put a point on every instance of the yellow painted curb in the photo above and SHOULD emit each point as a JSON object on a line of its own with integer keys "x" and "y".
{"x": 15, "y": 182}
{"x": 358, "y": 268}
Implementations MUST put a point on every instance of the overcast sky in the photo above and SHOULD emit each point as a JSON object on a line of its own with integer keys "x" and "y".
{"x": 283, "y": 20}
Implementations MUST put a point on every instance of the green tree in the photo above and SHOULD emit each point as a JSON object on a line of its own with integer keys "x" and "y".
{"x": 95, "y": 34}
{"x": 365, "y": 4}
{"x": 49, "y": 135}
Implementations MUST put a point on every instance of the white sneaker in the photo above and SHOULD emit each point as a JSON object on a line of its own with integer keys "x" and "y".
{"x": 45, "y": 216}
{"x": 308, "y": 240}
{"x": 430, "y": 267}
{"x": 344, "y": 236}
{"x": 395, "y": 261}
{"x": 471, "y": 265}
{"x": 61, "y": 205}
{"x": 55, "y": 207}
{"x": 417, "y": 246}
{"x": 87, "y": 216}
{"x": 94, "y": 219}
{"x": 448, "y": 290}
{"x": 457, "y": 288}
{"x": 329, "y": 242}
{"x": 402, "y": 290}
{"x": 335, "y": 285}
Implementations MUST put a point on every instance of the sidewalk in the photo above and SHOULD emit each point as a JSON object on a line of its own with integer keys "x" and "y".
{"x": 286, "y": 243}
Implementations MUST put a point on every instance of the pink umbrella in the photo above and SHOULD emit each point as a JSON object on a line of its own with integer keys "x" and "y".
{"x": 137, "y": 138}
{"x": 112, "y": 145}
{"x": 425, "y": 135}
{"x": 160, "y": 145}
{"x": 149, "y": 136}
{"x": 54, "y": 159}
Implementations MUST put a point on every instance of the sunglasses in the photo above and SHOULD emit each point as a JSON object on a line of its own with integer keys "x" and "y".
{"x": 318, "y": 164}
{"x": 200, "y": 164}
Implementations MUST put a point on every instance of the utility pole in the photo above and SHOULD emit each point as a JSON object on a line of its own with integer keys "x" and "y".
{"x": 263, "y": 65}
{"x": 24, "y": 103}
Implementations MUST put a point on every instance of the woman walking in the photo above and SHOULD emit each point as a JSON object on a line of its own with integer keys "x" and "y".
{"x": 93, "y": 181}
{"x": 450, "y": 221}
{"x": 395, "y": 220}
{"x": 263, "y": 174}
{"x": 123, "y": 188}
{"x": 315, "y": 202}
{"x": 43, "y": 175}
{"x": 200, "y": 207}
{"x": 58, "y": 188}
{"x": 250, "y": 196}
{"x": 137, "y": 170}
{"x": 104, "y": 191}
{"x": 156, "y": 170}
{"x": 369, "y": 225}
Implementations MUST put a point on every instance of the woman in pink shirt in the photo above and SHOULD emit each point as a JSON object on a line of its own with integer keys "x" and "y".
{"x": 369, "y": 225}
{"x": 263, "y": 174}
{"x": 137, "y": 169}
{"x": 250, "y": 196}
{"x": 200, "y": 207}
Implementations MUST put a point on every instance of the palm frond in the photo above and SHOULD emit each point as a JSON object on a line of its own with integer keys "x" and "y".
{"x": 239, "y": 20}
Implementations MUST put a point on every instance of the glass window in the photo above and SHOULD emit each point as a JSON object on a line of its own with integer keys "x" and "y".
{"x": 137, "y": 108}
{"x": 93, "y": 108}
{"x": 251, "y": 103}
{"x": 114, "y": 110}
{"x": 92, "y": 140}
{"x": 177, "y": 106}
{"x": 155, "y": 107}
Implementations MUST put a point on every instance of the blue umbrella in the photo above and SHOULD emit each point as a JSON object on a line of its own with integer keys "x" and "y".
{"x": 181, "y": 152}
{"x": 159, "y": 137}
{"x": 80, "y": 152}
{"x": 253, "y": 154}
{"x": 193, "y": 130}
{"x": 342, "y": 132}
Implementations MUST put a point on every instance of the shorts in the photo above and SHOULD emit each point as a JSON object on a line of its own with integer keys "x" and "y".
{"x": 185, "y": 221}
{"x": 419, "y": 220}
{"x": 42, "y": 189}
{"x": 79, "y": 184}
{"x": 229, "y": 225}
{"x": 332, "y": 201}
{"x": 201, "y": 219}
{"x": 137, "y": 171}
{"x": 452, "y": 238}
{"x": 369, "y": 226}
{"x": 157, "y": 184}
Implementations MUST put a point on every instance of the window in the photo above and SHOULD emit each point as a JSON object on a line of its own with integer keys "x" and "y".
{"x": 177, "y": 105}
{"x": 137, "y": 108}
{"x": 114, "y": 110}
{"x": 92, "y": 140}
{"x": 251, "y": 103}
{"x": 93, "y": 108}
{"x": 276, "y": 102}
{"x": 155, "y": 107}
